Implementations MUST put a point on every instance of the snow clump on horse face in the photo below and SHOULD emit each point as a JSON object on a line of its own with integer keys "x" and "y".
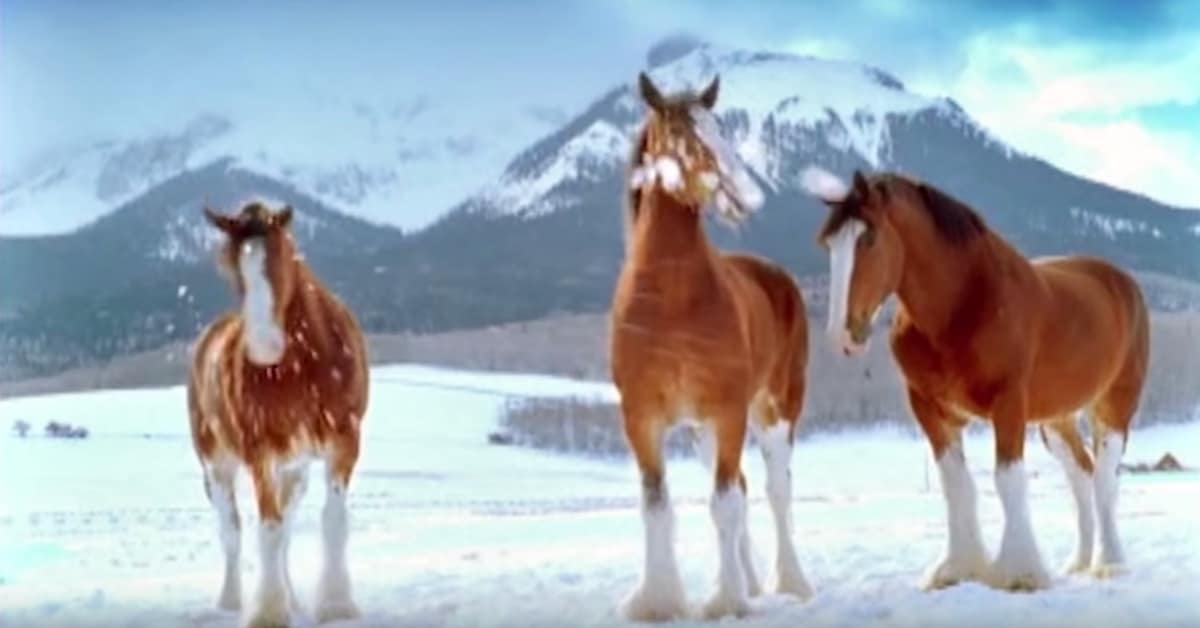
{"x": 737, "y": 194}
{"x": 824, "y": 185}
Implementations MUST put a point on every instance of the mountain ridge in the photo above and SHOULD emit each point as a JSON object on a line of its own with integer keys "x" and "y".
{"x": 545, "y": 236}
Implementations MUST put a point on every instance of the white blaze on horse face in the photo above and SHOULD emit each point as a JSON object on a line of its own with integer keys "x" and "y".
{"x": 265, "y": 341}
{"x": 842, "y": 245}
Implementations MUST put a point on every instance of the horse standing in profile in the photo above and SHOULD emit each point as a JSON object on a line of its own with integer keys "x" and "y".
{"x": 717, "y": 339}
{"x": 981, "y": 331}
{"x": 279, "y": 382}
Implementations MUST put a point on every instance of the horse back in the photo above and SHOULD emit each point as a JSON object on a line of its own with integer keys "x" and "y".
{"x": 780, "y": 332}
{"x": 1091, "y": 293}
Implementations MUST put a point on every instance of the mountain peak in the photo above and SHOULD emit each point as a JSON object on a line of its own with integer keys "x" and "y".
{"x": 671, "y": 48}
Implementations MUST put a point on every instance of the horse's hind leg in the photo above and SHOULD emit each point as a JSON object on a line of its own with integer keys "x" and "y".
{"x": 219, "y": 486}
{"x": 1062, "y": 438}
{"x": 335, "y": 598}
{"x": 659, "y": 596}
{"x": 775, "y": 436}
{"x": 706, "y": 451}
{"x": 1111, "y": 417}
{"x": 728, "y": 509}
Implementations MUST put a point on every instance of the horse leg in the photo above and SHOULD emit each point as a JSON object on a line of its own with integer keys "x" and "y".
{"x": 1111, "y": 417}
{"x": 965, "y": 557}
{"x": 728, "y": 509}
{"x": 775, "y": 438}
{"x": 293, "y": 484}
{"x": 659, "y": 596}
{"x": 335, "y": 598}
{"x": 271, "y": 607}
{"x": 1062, "y": 438}
{"x": 706, "y": 451}
{"x": 1018, "y": 565}
{"x": 219, "y": 486}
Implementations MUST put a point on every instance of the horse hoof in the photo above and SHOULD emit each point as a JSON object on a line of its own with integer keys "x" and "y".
{"x": 1106, "y": 571}
{"x": 722, "y": 604}
{"x": 793, "y": 584}
{"x": 1025, "y": 581}
{"x": 952, "y": 572}
{"x": 334, "y": 610}
{"x": 645, "y": 605}
{"x": 1077, "y": 565}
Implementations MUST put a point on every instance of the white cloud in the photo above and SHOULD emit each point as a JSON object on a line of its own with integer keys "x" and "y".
{"x": 1078, "y": 107}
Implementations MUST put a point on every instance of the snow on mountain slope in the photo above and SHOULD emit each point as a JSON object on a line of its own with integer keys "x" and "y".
{"x": 770, "y": 104}
{"x": 393, "y": 161}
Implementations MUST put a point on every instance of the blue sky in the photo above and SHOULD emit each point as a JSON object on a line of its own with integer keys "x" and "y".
{"x": 1110, "y": 90}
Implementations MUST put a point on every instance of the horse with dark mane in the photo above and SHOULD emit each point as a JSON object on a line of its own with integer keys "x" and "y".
{"x": 983, "y": 332}
{"x": 273, "y": 385}
{"x": 700, "y": 335}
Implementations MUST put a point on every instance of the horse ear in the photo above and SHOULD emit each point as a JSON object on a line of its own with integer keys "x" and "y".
{"x": 708, "y": 97}
{"x": 650, "y": 94}
{"x": 284, "y": 218}
{"x": 861, "y": 187}
{"x": 220, "y": 221}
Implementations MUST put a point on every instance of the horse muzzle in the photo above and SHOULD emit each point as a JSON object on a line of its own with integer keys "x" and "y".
{"x": 855, "y": 338}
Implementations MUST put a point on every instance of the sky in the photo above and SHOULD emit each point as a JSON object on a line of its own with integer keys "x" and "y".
{"x": 1108, "y": 90}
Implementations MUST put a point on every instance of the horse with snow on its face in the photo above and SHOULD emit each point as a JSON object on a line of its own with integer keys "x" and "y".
{"x": 716, "y": 339}
{"x": 983, "y": 332}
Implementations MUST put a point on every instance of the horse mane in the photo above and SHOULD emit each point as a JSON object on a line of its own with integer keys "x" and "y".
{"x": 633, "y": 193}
{"x": 953, "y": 220}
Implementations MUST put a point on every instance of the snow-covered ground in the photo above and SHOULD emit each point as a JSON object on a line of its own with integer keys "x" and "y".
{"x": 450, "y": 531}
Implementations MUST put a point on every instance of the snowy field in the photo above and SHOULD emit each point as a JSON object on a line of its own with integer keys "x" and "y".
{"x": 449, "y": 531}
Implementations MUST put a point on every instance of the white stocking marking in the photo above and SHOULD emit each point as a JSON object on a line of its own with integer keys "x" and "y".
{"x": 777, "y": 453}
{"x": 1019, "y": 564}
{"x": 1108, "y": 459}
{"x": 1081, "y": 489}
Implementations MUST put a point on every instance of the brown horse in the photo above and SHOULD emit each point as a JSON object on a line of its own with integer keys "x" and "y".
{"x": 279, "y": 382}
{"x": 715, "y": 338}
{"x": 981, "y": 331}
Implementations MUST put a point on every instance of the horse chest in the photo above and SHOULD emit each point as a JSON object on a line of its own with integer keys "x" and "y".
{"x": 952, "y": 374}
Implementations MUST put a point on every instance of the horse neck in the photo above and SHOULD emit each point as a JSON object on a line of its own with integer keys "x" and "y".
{"x": 939, "y": 277}
{"x": 667, "y": 232}
{"x": 309, "y": 311}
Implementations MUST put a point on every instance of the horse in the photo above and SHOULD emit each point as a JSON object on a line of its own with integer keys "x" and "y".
{"x": 274, "y": 385}
{"x": 713, "y": 339}
{"x": 982, "y": 331}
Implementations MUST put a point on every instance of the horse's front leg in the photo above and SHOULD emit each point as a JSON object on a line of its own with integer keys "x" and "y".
{"x": 272, "y": 607}
{"x": 1018, "y": 565}
{"x": 965, "y": 557}
{"x": 728, "y": 509}
{"x": 659, "y": 596}
{"x": 219, "y": 485}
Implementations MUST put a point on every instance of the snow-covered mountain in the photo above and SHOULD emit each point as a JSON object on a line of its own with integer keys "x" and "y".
{"x": 544, "y": 236}
{"x": 783, "y": 112}
{"x": 777, "y": 108}
{"x": 399, "y": 162}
